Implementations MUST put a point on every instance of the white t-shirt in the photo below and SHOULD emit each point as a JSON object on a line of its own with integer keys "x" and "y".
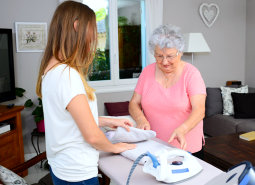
{"x": 71, "y": 158}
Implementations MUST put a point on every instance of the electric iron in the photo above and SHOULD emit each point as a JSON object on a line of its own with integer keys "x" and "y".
{"x": 164, "y": 166}
{"x": 241, "y": 174}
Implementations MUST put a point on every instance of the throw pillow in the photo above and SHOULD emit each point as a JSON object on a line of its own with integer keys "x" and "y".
{"x": 228, "y": 108}
{"x": 117, "y": 108}
{"x": 10, "y": 178}
{"x": 244, "y": 105}
{"x": 213, "y": 103}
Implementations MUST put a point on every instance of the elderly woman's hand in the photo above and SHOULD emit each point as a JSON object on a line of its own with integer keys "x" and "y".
{"x": 145, "y": 125}
{"x": 179, "y": 134}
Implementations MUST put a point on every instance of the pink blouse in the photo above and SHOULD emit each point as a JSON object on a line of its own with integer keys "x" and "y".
{"x": 167, "y": 108}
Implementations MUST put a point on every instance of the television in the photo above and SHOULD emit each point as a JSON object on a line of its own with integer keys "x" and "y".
{"x": 7, "y": 80}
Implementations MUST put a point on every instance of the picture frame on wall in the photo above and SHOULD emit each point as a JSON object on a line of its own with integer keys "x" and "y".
{"x": 31, "y": 36}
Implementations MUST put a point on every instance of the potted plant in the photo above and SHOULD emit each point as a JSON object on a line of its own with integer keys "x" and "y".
{"x": 37, "y": 111}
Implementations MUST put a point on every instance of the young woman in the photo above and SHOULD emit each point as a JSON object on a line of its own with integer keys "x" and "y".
{"x": 72, "y": 135}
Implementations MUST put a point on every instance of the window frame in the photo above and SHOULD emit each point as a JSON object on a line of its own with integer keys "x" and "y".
{"x": 115, "y": 84}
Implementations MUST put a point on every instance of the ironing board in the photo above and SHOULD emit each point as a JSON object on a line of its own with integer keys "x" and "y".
{"x": 117, "y": 168}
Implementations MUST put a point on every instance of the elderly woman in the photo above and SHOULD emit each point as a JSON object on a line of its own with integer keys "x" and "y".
{"x": 169, "y": 97}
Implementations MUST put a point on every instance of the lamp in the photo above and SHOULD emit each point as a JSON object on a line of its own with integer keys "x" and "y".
{"x": 195, "y": 43}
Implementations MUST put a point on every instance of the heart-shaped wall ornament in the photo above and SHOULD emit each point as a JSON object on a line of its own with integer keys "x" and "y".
{"x": 209, "y": 13}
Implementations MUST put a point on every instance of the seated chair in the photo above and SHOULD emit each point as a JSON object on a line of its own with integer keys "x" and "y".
{"x": 10, "y": 177}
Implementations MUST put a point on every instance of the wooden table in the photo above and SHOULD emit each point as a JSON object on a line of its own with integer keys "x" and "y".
{"x": 227, "y": 151}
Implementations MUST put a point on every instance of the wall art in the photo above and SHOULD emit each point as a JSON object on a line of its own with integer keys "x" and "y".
{"x": 30, "y": 36}
{"x": 209, "y": 13}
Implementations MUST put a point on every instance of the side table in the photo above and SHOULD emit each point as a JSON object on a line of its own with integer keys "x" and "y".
{"x": 11, "y": 142}
{"x": 37, "y": 134}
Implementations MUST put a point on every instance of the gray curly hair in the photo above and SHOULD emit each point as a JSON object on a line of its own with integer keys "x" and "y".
{"x": 166, "y": 36}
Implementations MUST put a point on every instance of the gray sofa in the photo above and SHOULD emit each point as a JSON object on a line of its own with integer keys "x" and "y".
{"x": 215, "y": 123}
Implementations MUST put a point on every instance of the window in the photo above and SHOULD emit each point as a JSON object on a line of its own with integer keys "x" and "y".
{"x": 120, "y": 54}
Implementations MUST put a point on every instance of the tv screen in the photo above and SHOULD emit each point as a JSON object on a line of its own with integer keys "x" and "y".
{"x": 7, "y": 80}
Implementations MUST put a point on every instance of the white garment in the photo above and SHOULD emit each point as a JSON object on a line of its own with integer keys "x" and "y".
{"x": 134, "y": 135}
{"x": 143, "y": 147}
{"x": 138, "y": 136}
{"x": 69, "y": 155}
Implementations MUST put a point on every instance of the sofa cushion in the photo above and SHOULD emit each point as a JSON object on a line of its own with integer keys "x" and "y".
{"x": 213, "y": 104}
{"x": 219, "y": 124}
{"x": 251, "y": 89}
{"x": 244, "y": 105}
{"x": 245, "y": 125}
{"x": 117, "y": 108}
{"x": 228, "y": 108}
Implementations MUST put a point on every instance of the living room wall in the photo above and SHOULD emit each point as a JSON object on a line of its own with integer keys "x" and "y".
{"x": 226, "y": 38}
{"x": 250, "y": 43}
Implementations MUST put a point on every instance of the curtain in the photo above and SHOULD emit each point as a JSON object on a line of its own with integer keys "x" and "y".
{"x": 154, "y": 18}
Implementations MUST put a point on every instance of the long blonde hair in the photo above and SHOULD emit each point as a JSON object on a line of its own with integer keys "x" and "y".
{"x": 76, "y": 47}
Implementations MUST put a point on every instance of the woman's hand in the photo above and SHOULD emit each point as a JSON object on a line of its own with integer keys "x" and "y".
{"x": 197, "y": 114}
{"x": 115, "y": 122}
{"x": 125, "y": 123}
{"x": 121, "y": 147}
{"x": 143, "y": 125}
{"x": 179, "y": 134}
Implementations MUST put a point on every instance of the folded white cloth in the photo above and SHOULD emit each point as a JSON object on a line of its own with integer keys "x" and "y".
{"x": 142, "y": 139}
{"x": 143, "y": 147}
{"x": 134, "y": 135}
